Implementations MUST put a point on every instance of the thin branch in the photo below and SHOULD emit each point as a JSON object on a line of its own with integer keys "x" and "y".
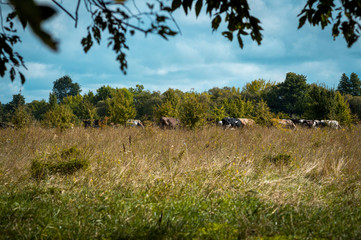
{"x": 76, "y": 13}
{"x": 62, "y": 8}
{"x": 175, "y": 22}
{"x": 1, "y": 18}
{"x": 136, "y": 7}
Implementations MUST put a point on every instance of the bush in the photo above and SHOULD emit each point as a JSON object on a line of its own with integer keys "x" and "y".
{"x": 60, "y": 117}
{"x": 193, "y": 110}
{"x": 21, "y": 118}
{"x": 65, "y": 162}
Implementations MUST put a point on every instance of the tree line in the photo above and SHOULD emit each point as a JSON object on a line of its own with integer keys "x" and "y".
{"x": 260, "y": 100}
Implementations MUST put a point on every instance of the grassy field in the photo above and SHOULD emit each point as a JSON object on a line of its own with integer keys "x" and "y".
{"x": 127, "y": 183}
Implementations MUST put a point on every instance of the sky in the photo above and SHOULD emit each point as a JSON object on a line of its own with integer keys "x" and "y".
{"x": 196, "y": 60}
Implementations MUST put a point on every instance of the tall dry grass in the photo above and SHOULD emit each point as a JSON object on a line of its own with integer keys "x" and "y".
{"x": 220, "y": 161}
{"x": 138, "y": 168}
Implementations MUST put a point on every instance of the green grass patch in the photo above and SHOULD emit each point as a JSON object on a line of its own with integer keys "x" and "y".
{"x": 66, "y": 161}
{"x": 37, "y": 212}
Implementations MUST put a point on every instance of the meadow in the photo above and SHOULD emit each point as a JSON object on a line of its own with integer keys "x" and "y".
{"x": 129, "y": 183}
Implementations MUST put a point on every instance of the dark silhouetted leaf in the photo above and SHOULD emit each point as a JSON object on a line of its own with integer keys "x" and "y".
{"x": 46, "y": 12}
{"x": 228, "y": 35}
{"x": 198, "y": 7}
{"x": 176, "y": 4}
{"x": 302, "y": 21}
{"x": 12, "y": 74}
{"x": 215, "y": 22}
{"x": 22, "y": 77}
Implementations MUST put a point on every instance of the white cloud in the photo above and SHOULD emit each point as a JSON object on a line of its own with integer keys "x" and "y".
{"x": 41, "y": 70}
{"x": 8, "y": 89}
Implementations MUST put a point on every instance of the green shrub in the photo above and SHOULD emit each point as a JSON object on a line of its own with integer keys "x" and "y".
{"x": 65, "y": 162}
{"x": 60, "y": 117}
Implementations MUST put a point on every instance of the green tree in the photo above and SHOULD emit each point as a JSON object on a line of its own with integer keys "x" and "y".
{"x": 256, "y": 89}
{"x": 121, "y": 106}
{"x": 174, "y": 96}
{"x": 60, "y": 117}
{"x": 104, "y": 92}
{"x": 90, "y": 97}
{"x": 2, "y": 117}
{"x": 21, "y": 118}
{"x": 81, "y": 107}
{"x": 356, "y": 84}
{"x": 341, "y": 111}
{"x": 166, "y": 109}
{"x": 289, "y": 96}
{"x": 319, "y": 102}
{"x": 38, "y": 108}
{"x": 345, "y": 85}
{"x": 350, "y": 85}
{"x": 102, "y": 108}
{"x": 262, "y": 114}
{"x": 64, "y": 87}
{"x": 53, "y": 101}
{"x": 218, "y": 113}
{"x": 10, "y": 108}
{"x": 354, "y": 104}
{"x": 170, "y": 106}
{"x": 145, "y": 102}
{"x": 193, "y": 110}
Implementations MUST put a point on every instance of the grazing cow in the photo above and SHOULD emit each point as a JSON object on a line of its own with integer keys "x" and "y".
{"x": 168, "y": 122}
{"x": 319, "y": 123}
{"x": 134, "y": 123}
{"x": 247, "y": 122}
{"x": 286, "y": 123}
{"x": 87, "y": 123}
{"x": 228, "y": 122}
{"x": 305, "y": 123}
{"x": 298, "y": 121}
{"x": 331, "y": 123}
{"x": 95, "y": 123}
{"x": 310, "y": 123}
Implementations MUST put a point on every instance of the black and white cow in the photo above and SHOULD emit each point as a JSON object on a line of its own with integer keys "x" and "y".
{"x": 134, "y": 123}
{"x": 228, "y": 122}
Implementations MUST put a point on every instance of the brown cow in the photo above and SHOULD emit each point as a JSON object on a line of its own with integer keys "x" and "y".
{"x": 168, "y": 122}
{"x": 247, "y": 122}
{"x": 286, "y": 123}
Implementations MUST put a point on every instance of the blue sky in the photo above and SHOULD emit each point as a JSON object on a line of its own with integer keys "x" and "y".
{"x": 198, "y": 59}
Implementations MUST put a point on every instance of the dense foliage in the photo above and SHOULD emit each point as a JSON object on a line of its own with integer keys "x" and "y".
{"x": 259, "y": 100}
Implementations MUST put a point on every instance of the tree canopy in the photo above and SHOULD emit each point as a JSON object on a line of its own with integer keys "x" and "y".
{"x": 293, "y": 98}
{"x": 119, "y": 21}
{"x": 64, "y": 87}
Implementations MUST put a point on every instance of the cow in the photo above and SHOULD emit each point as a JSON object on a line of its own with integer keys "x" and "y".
{"x": 87, "y": 123}
{"x": 298, "y": 121}
{"x": 228, "y": 122}
{"x": 134, "y": 123}
{"x": 331, "y": 123}
{"x": 168, "y": 122}
{"x": 306, "y": 123}
{"x": 310, "y": 123}
{"x": 247, "y": 122}
{"x": 97, "y": 123}
{"x": 286, "y": 123}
